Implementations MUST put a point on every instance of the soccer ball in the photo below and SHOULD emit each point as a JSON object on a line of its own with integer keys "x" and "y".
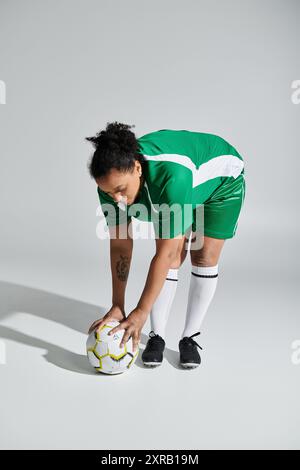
{"x": 104, "y": 352}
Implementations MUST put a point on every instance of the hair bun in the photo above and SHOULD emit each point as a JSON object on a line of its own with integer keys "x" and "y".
{"x": 116, "y": 137}
{"x": 116, "y": 147}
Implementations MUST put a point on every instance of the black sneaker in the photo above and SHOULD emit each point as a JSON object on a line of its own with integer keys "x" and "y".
{"x": 189, "y": 355}
{"x": 152, "y": 355}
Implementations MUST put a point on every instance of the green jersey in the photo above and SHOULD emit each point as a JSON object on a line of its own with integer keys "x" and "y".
{"x": 182, "y": 170}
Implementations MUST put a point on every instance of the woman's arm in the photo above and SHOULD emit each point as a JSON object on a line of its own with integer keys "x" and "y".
{"x": 159, "y": 266}
{"x": 120, "y": 260}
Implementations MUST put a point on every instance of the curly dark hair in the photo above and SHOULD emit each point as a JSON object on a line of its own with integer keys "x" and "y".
{"x": 116, "y": 147}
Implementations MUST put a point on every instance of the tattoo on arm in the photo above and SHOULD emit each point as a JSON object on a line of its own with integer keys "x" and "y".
{"x": 123, "y": 268}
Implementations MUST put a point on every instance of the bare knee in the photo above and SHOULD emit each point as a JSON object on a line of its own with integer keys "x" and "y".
{"x": 207, "y": 260}
{"x": 204, "y": 259}
{"x": 209, "y": 254}
{"x": 179, "y": 259}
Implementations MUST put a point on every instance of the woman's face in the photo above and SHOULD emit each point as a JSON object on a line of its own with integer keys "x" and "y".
{"x": 122, "y": 187}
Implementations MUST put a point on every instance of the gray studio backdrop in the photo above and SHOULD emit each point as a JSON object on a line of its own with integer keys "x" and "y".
{"x": 66, "y": 69}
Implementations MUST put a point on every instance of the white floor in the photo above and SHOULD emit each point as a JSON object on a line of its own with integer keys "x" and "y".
{"x": 244, "y": 395}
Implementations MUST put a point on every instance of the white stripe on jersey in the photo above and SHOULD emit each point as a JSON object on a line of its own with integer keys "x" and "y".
{"x": 223, "y": 165}
{"x": 146, "y": 186}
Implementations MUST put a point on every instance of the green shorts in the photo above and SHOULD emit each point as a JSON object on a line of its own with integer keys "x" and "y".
{"x": 222, "y": 209}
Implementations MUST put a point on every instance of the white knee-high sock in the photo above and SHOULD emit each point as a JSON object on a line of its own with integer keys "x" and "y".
{"x": 203, "y": 283}
{"x": 161, "y": 308}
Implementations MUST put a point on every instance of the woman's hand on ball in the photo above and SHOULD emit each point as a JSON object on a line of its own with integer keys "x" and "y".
{"x": 116, "y": 313}
{"x": 132, "y": 325}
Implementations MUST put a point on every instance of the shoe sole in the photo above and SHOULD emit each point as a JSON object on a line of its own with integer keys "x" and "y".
{"x": 190, "y": 365}
{"x": 152, "y": 364}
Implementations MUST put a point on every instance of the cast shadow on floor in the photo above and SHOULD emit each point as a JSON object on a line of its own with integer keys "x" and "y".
{"x": 74, "y": 314}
